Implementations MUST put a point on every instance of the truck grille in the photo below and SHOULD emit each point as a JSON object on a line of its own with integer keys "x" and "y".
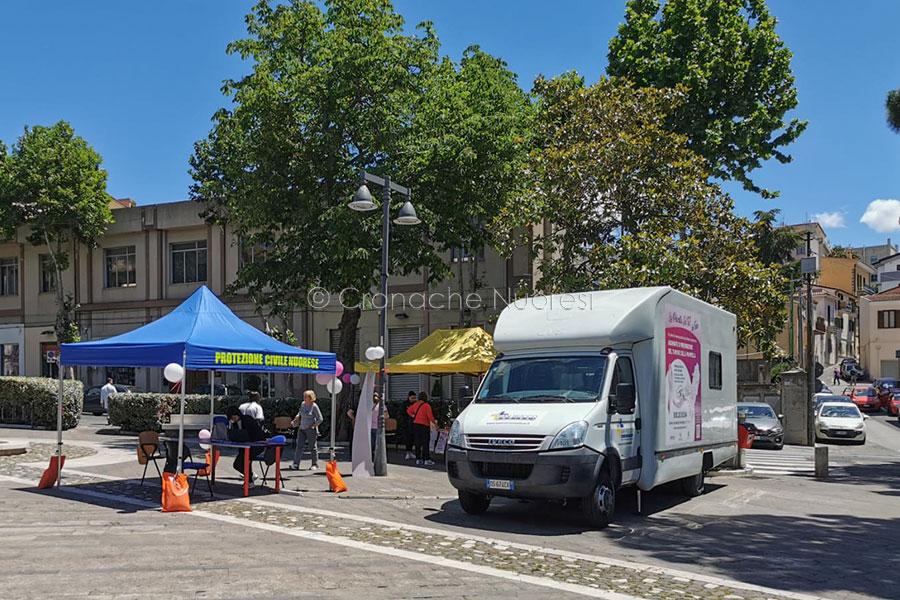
{"x": 503, "y": 470}
{"x": 520, "y": 442}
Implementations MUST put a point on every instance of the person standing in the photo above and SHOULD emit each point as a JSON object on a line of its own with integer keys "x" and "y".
{"x": 308, "y": 419}
{"x": 837, "y": 377}
{"x": 252, "y": 407}
{"x": 105, "y": 392}
{"x": 423, "y": 420}
{"x": 409, "y": 432}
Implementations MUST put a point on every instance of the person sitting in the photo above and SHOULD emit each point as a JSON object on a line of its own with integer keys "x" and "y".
{"x": 244, "y": 428}
{"x": 252, "y": 407}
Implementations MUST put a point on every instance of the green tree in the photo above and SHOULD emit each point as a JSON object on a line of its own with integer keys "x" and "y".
{"x": 54, "y": 187}
{"x": 737, "y": 71}
{"x": 617, "y": 200}
{"x": 338, "y": 89}
{"x": 892, "y": 104}
{"x": 774, "y": 244}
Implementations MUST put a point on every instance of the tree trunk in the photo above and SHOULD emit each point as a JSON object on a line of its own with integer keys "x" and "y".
{"x": 346, "y": 346}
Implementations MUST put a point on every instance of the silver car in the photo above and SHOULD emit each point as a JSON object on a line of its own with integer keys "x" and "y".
{"x": 764, "y": 423}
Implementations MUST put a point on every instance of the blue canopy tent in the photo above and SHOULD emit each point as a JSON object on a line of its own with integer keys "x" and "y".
{"x": 200, "y": 334}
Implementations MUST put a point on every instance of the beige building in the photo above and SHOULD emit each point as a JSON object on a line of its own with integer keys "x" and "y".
{"x": 880, "y": 333}
{"x": 153, "y": 257}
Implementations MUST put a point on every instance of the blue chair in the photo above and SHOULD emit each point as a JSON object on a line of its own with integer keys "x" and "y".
{"x": 267, "y": 458}
{"x": 220, "y": 428}
{"x": 188, "y": 464}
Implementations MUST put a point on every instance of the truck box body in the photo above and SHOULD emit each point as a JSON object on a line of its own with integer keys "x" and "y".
{"x": 562, "y": 360}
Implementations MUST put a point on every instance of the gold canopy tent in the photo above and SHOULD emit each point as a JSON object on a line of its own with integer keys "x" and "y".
{"x": 444, "y": 351}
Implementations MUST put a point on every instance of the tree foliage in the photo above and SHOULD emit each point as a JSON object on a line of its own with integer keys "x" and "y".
{"x": 616, "y": 200}
{"x": 735, "y": 68}
{"x": 339, "y": 89}
{"x": 892, "y": 104}
{"x": 54, "y": 186}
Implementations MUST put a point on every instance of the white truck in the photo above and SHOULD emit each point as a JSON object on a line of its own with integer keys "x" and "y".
{"x": 598, "y": 390}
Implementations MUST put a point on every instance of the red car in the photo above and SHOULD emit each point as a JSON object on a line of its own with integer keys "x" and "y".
{"x": 894, "y": 407}
{"x": 863, "y": 396}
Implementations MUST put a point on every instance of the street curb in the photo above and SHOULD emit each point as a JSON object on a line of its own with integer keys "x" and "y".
{"x": 731, "y": 472}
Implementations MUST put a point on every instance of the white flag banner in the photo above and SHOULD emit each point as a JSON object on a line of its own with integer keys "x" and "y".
{"x": 362, "y": 436}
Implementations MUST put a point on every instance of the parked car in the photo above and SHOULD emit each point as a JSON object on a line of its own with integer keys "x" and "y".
{"x": 760, "y": 418}
{"x": 221, "y": 390}
{"x": 894, "y": 407}
{"x": 820, "y": 399}
{"x": 848, "y": 367}
{"x": 840, "y": 421}
{"x": 864, "y": 397}
{"x": 92, "y": 398}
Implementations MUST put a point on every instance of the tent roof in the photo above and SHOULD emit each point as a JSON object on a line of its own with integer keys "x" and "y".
{"x": 444, "y": 351}
{"x": 204, "y": 333}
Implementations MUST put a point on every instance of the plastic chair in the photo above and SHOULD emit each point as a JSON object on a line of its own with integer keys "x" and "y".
{"x": 390, "y": 432}
{"x": 220, "y": 428}
{"x": 283, "y": 427}
{"x": 267, "y": 458}
{"x": 189, "y": 464}
{"x": 148, "y": 445}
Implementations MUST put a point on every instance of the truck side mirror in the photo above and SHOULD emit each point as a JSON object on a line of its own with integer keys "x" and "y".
{"x": 624, "y": 400}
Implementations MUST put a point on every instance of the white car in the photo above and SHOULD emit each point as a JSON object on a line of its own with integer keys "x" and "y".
{"x": 840, "y": 421}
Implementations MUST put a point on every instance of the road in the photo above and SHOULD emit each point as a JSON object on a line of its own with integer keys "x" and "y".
{"x": 406, "y": 537}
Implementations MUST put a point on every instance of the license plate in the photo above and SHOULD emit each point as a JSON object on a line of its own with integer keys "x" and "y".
{"x": 841, "y": 432}
{"x": 500, "y": 484}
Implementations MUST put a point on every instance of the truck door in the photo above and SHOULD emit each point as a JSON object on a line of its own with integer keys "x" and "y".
{"x": 625, "y": 429}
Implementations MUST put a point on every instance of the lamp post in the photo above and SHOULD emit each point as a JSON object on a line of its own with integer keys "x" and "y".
{"x": 362, "y": 202}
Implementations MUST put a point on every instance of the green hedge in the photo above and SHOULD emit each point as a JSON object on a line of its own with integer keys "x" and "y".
{"x": 32, "y": 401}
{"x": 147, "y": 411}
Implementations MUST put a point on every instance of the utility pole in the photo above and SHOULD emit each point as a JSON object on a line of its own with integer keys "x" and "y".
{"x": 810, "y": 359}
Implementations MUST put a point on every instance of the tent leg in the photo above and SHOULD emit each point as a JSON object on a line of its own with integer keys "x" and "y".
{"x": 333, "y": 408}
{"x": 59, "y": 413}
{"x": 212, "y": 397}
{"x": 181, "y": 422}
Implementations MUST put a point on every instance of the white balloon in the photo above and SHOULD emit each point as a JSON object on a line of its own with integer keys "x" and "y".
{"x": 335, "y": 386}
{"x": 205, "y": 446}
{"x": 370, "y": 353}
{"x": 323, "y": 378}
{"x": 378, "y": 352}
{"x": 354, "y": 379}
{"x": 173, "y": 372}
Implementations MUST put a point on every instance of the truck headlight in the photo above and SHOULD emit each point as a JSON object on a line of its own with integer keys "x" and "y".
{"x": 570, "y": 436}
{"x": 456, "y": 438}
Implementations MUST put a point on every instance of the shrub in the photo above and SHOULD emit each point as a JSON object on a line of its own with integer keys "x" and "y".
{"x": 148, "y": 411}
{"x": 32, "y": 401}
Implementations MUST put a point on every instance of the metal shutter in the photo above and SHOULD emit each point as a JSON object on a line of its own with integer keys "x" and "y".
{"x": 401, "y": 339}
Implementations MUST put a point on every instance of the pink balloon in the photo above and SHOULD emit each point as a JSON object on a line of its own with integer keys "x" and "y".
{"x": 338, "y": 368}
{"x": 345, "y": 377}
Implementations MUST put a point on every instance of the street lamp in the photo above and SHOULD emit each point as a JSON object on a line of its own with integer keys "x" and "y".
{"x": 363, "y": 202}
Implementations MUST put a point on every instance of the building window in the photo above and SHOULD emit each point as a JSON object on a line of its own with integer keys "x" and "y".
{"x": 9, "y": 276}
{"x": 801, "y": 250}
{"x": 463, "y": 255}
{"x": 250, "y": 253}
{"x": 9, "y": 360}
{"x": 120, "y": 267}
{"x": 121, "y": 375}
{"x": 874, "y": 259}
{"x": 189, "y": 262}
{"x": 887, "y": 319}
{"x": 48, "y": 273}
{"x": 715, "y": 371}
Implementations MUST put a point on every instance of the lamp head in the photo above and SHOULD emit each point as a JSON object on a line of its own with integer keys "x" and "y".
{"x": 362, "y": 200}
{"x": 407, "y": 215}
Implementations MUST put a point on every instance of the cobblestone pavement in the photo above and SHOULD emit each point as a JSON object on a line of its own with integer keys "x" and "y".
{"x": 575, "y": 573}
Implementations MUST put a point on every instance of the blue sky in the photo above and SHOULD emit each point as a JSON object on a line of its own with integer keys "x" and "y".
{"x": 140, "y": 82}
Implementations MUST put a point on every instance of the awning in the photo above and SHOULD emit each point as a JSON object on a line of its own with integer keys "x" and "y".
{"x": 444, "y": 351}
{"x": 201, "y": 333}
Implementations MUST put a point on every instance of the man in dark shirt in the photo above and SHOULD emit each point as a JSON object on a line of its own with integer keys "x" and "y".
{"x": 243, "y": 428}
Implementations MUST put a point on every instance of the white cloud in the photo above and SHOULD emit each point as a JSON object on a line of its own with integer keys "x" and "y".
{"x": 882, "y": 215}
{"x": 830, "y": 220}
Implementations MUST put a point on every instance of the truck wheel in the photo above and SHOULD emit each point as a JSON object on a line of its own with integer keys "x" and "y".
{"x": 694, "y": 485}
{"x": 601, "y": 504}
{"x": 474, "y": 504}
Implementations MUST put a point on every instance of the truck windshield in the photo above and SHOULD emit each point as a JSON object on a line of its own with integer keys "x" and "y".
{"x": 540, "y": 380}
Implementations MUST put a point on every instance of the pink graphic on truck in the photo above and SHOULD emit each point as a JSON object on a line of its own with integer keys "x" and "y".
{"x": 684, "y": 412}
